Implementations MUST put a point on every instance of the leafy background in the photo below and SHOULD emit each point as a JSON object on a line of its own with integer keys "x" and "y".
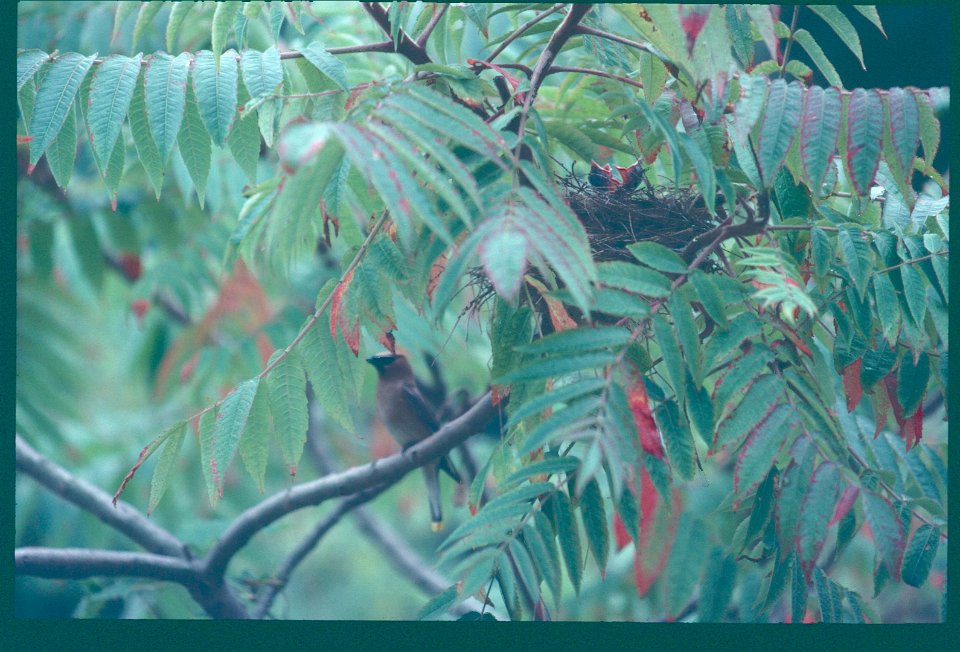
{"x": 178, "y": 264}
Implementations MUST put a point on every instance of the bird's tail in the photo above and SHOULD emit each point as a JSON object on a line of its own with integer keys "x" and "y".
{"x": 446, "y": 464}
{"x": 431, "y": 473}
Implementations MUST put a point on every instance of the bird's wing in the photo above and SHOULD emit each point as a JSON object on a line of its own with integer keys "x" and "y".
{"x": 415, "y": 400}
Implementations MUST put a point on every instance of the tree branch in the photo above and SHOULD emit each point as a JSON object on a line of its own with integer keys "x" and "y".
{"x": 123, "y": 518}
{"x": 407, "y": 47}
{"x": 517, "y": 33}
{"x": 428, "y": 30}
{"x": 385, "y": 471}
{"x": 560, "y": 36}
{"x": 282, "y": 576}
{"x": 77, "y": 563}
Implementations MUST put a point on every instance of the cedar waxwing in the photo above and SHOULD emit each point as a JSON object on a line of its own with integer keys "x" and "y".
{"x": 409, "y": 419}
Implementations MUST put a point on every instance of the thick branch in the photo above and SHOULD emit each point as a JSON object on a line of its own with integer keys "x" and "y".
{"x": 76, "y": 563}
{"x": 384, "y": 471}
{"x": 123, "y": 518}
{"x": 407, "y": 47}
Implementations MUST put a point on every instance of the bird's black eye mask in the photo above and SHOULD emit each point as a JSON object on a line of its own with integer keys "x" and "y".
{"x": 382, "y": 360}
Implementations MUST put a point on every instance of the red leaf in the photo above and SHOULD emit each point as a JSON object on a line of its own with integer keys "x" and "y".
{"x": 851, "y": 384}
{"x": 912, "y": 428}
{"x": 351, "y": 332}
{"x": 646, "y": 427}
{"x": 436, "y": 271}
{"x": 692, "y": 21}
{"x": 643, "y": 575}
{"x": 620, "y": 534}
{"x": 881, "y": 408}
{"x": 890, "y": 383}
{"x": 139, "y": 307}
{"x": 845, "y": 503}
{"x": 130, "y": 264}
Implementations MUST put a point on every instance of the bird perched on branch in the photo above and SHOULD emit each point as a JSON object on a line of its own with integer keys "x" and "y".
{"x": 410, "y": 419}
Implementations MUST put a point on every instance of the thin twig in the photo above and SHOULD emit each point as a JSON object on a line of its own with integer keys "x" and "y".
{"x": 282, "y": 576}
{"x": 517, "y": 33}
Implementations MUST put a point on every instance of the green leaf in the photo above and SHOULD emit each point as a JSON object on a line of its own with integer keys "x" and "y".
{"x": 208, "y": 422}
{"x": 683, "y": 569}
{"x": 142, "y": 139}
{"x": 658, "y": 257}
{"x": 920, "y": 553}
{"x": 28, "y": 63}
{"x": 870, "y": 13}
{"x": 244, "y": 142}
{"x": 929, "y": 129}
{"x": 666, "y": 339}
{"x": 887, "y": 307}
{"x": 54, "y": 99}
{"x": 331, "y": 368}
{"x": 820, "y": 60}
{"x": 503, "y": 254}
{"x": 215, "y": 88}
{"x": 547, "y": 466}
{"x": 687, "y": 332}
{"x": 223, "y": 18}
{"x": 709, "y": 295}
{"x": 231, "y": 422}
{"x": 288, "y": 404}
{"x": 904, "y": 130}
{"x": 194, "y": 144}
{"x": 725, "y": 343}
{"x": 166, "y": 91}
{"x": 579, "y": 339}
{"x": 719, "y": 581}
{"x": 780, "y": 120}
{"x": 326, "y": 63}
{"x": 703, "y": 166}
{"x": 554, "y": 397}
{"x": 148, "y": 11}
{"x": 760, "y": 450}
{"x": 678, "y": 439}
{"x": 914, "y": 292}
{"x": 544, "y": 556}
{"x": 594, "y": 517}
{"x": 439, "y": 604}
{"x": 887, "y": 531}
{"x": 110, "y": 93}
{"x": 829, "y": 597}
{"x": 864, "y": 137}
{"x": 818, "y": 506}
{"x": 556, "y": 367}
{"x": 569, "y": 537}
{"x": 255, "y": 437}
{"x": 114, "y": 171}
{"x": 178, "y": 13}
{"x": 633, "y": 278}
{"x": 877, "y": 363}
{"x": 63, "y": 150}
{"x": 822, "y": 251}
{"x": 760, "y": 401}
{"x": 842, "y": 27}
{"x": 574, "y": 418}
{"x": 820, "y": 130}
{"x": 262, "y": 71}
{"x": 856, "y": 254}
{"x": 798, "y": 591}
{"x": 165, "y": 465}
{"x": 912, "y": 379}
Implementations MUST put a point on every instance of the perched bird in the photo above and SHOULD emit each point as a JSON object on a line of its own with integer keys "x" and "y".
{"x": 409, "y": 419}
